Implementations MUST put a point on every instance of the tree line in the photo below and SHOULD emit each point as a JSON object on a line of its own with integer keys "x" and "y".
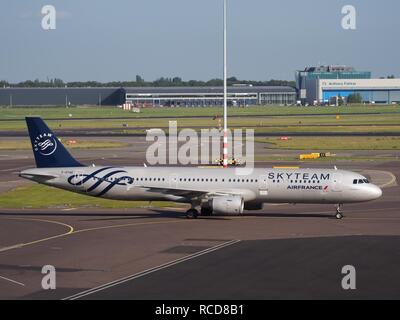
{"x": 140, "y": 82}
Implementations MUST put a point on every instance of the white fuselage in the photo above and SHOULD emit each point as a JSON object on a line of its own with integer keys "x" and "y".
{"x": 182, "y": 184}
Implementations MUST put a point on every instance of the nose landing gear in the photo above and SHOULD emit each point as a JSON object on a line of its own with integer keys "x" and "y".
{"x": 339, "y": 214}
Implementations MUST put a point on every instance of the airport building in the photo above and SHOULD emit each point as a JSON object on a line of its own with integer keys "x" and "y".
{"x": 375, "y": 91}
{"x": 323, "y": 84}
{"x": 306, "y": 79}
{"x": 210, "y": 96}
{"x": 60, "y": 96}
{"x": 149, "y": 96}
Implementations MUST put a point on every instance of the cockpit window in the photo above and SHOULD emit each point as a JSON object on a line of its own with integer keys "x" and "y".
{"x": 360, "y": 181}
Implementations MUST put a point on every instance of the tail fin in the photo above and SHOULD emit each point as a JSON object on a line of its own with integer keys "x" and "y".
{"x": 47, "y": 149}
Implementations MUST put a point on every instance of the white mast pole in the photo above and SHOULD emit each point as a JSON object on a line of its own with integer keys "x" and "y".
{"x": 225, "y": 151}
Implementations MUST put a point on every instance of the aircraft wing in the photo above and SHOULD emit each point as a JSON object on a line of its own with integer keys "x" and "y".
{"x": 193, "y": 194}
{"x": 178, "y": 192}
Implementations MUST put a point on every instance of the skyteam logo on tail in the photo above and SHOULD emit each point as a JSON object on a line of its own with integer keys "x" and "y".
{"x": 45, "y": 144}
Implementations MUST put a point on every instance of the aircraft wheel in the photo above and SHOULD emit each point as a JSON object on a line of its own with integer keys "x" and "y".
{"x": 192, "y": 214}
{"x": 339, "y": 216}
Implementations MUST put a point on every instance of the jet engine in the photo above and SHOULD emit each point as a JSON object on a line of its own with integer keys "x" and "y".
{"x": 229, "y": 205}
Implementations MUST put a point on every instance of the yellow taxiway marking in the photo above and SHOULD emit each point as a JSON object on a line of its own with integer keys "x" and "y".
{"x": 130, "y": 225}
{"x": 73, "y": 231}
{"x": 20, "y": 245}
{"x": 393, "y": 180}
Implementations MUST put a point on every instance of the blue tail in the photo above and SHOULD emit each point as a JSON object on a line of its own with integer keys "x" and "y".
{"x": 47, "y": 149}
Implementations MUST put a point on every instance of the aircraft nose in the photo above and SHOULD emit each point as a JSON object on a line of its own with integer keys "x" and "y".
{"x": 375, "y": 192}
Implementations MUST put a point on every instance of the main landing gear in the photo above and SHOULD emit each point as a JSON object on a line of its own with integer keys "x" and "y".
{"x": 206, "y": 211}
{"x": 192, "y": 213}
{"x": 339, "y": 214}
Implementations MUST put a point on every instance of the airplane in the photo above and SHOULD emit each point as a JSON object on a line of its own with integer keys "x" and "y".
{"x": 213, "y": 191}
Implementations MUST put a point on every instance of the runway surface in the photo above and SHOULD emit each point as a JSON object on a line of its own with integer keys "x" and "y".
{"x": 307, "y": 268}
{"x": 283, "y": 251}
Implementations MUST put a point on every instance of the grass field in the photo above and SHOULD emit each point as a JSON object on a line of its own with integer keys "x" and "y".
{"x": 325, "y": 123}
{"x": 332, "y": 160}
{"x": 39, "y": 196}
{"x": 81, "y": 144}
{"x": 333, "y": 143}
{"x": 106, "y": 112}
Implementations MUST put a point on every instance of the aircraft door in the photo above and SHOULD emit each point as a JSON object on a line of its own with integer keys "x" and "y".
{"x": 263, "y": 185}
{"x": 337, "y": 183}
{"x": 78, "y": 181}
{"x": 173, "y": 180}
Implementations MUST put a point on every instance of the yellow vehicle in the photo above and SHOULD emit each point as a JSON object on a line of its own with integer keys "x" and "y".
{"x": 310, "y": 156}
{"x": 313, "y": 156}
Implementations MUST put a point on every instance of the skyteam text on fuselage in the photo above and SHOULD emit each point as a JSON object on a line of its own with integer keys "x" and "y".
{"x": 213, "y": 191}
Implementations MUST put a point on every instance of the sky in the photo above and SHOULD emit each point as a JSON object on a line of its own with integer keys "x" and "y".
{"x": 267, "y": 39}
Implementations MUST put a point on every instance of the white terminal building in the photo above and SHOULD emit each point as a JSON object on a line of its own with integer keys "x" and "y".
{"x": 319, "y": 85}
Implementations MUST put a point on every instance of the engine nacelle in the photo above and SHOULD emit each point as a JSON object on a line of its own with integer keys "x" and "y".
{"x": 230, "y": 205}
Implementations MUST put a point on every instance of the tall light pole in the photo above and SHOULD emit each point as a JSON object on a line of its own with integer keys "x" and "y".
{"x": 225, "y": 151}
